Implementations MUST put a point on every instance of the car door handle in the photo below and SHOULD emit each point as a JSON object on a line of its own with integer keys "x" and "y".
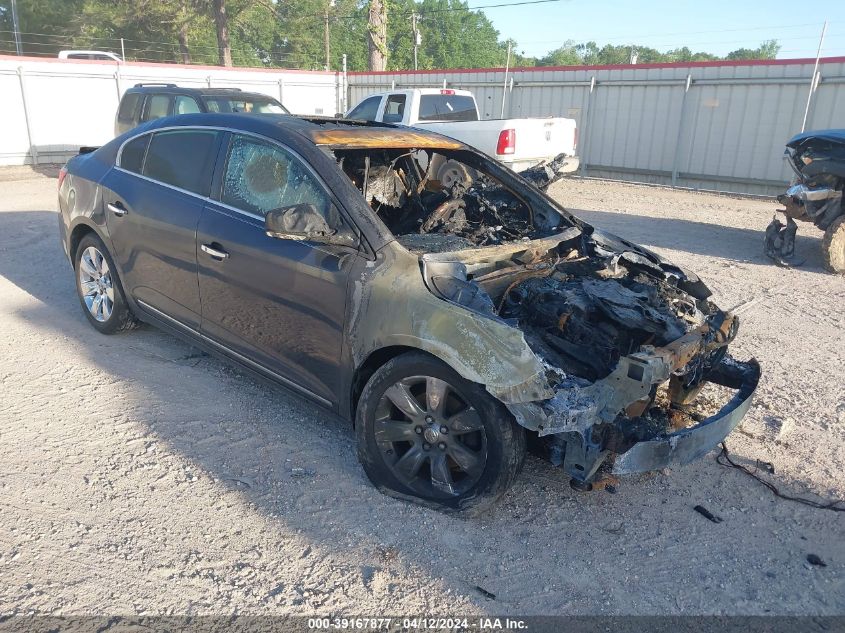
{"x": 214, "y": 252}
{"x": 117, "y": 208}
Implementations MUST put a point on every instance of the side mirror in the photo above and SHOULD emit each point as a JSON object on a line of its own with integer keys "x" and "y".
{"x": 304, "y": 222}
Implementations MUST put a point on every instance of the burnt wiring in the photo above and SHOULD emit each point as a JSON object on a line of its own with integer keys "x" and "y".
{"x": 724, "y": 459}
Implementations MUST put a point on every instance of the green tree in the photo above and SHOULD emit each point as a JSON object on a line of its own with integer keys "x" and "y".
{"x": 290, "y": 33}
{"x": 453, "y": 36}
{"x": 767, "y": 50}
{"x": 684, "y": 54}
{"x": 566, "y": 55}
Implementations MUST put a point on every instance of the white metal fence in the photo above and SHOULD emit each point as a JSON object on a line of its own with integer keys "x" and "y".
{"x": 712, "y": 125}
{"x": 49, "y": 108}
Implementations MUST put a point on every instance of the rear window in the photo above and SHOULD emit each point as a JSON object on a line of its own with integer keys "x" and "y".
{"x": 447, "y": 108}
{"x": 183, "y": 158}
{"x": 256, "y": 105}
{"x": 88, "y": 56}
{"x": 132, "y": 156}
{"x": 128, "y": 112}
{"x": 366, "y": 110}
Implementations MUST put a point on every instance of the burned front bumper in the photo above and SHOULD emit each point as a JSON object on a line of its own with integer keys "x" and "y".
{"x": 607, "y": 426}
{"x": 576, "y": 438}
{"x": 689, "y": 444}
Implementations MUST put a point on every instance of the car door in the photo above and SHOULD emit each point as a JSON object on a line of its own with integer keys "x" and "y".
{"x": 278, "y": 303}
{"x": 154, "y": 198}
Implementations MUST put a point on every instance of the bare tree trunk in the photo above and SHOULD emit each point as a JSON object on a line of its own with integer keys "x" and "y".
{"x": 183, "y": 43}
{"x": 221, "y": 21}
{"x": 377, "y": 32}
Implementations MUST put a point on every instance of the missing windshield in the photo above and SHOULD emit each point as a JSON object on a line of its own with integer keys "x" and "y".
{"x": 435, "y": 201}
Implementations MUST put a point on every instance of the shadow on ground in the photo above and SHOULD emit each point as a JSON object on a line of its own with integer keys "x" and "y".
{"x": 727, "y": 242}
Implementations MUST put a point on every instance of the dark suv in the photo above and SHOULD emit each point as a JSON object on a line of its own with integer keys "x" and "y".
{"x": 146, "y": 102}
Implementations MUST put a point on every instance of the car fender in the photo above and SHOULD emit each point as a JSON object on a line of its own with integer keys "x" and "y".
{"x": 390, "y": 305}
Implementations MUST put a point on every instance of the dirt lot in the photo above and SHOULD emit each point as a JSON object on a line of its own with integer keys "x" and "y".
{"x": 138, "y": 476}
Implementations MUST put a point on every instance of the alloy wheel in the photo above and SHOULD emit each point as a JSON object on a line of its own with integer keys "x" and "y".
{"x": 95, "y": 284}
{"x": 430, "y": 436}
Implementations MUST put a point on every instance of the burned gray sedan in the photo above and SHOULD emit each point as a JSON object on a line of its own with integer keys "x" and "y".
{"x": 455, "y": 324}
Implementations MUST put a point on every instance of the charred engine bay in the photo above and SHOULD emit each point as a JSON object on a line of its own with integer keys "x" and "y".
{"x": 427, "y": 215}
{"x": 581, "y": 310}
{"x": 582, "y": 302}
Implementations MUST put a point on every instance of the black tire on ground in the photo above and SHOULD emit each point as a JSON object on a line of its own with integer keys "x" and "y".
{"x": 466, "y": 405}
{"x": 119, "y": 317}
{"x": 833, "y": 246}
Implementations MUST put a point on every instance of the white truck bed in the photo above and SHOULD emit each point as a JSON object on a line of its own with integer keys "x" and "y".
{"x": 517, "y": 143}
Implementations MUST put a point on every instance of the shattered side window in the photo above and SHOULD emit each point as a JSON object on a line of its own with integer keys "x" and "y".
{"x": 261, "y": 177}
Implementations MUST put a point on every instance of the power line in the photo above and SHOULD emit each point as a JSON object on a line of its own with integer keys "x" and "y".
{"x": 361, "y": 15}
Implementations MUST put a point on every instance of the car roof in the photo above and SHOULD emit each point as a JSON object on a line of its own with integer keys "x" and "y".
{"x": 185, "y": 90}
{"x": 322, "y": 131}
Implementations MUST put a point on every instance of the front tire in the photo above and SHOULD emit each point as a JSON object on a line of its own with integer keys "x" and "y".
{"x": 99, "y": 289}
{"x": 428, "y": 435}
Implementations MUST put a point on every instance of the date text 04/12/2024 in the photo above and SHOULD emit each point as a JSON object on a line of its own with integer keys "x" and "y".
{"x": 418, "y": 624}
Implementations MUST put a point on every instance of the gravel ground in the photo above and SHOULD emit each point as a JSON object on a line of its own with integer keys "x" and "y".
{"x": 141, "y": 477}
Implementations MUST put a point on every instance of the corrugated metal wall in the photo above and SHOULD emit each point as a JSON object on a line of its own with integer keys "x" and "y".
{"x": 723, "y": 130}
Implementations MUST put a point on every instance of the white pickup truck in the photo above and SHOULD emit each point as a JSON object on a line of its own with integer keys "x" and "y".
{"x": 517, "y": 143}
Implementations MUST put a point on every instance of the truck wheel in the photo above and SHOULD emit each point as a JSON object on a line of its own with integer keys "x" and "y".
{"x": 833, "y": 246}
{"x": 428, "y": 435}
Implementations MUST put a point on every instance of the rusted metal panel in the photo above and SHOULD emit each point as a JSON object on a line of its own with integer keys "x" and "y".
{"x": 382, "y": 138}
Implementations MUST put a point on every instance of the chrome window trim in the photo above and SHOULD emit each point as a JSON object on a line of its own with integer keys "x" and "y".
{"x": 240, "y": 357}
{"x": 261, "y": 137}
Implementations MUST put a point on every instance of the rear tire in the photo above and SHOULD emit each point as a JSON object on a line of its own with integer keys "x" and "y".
{"x": 833, "y": 246}
{"x": 99, "y": 289}
{"x": 451, "y": 445}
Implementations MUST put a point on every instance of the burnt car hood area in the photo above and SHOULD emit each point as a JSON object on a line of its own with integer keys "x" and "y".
{"x": 594, "y": 344}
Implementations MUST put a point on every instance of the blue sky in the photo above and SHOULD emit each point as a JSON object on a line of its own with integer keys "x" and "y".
{"x": 715, "y": 26}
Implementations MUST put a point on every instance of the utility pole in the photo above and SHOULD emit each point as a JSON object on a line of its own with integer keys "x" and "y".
{"x": 327, "y": 34}
{"x": 417, "y": 36}
{"x": 815, "y": 78}
{"x": 326, "y": 38}
{"x": 16, "y": 27}
{"x": 505, "y": 84}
